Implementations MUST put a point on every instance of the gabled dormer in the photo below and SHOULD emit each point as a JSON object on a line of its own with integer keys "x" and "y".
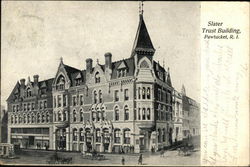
{"x": 98, "y": 75}
{"x": 122, "y": 69}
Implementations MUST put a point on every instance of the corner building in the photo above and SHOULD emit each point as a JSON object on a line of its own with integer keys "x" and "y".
{"x": 119, "y": 106}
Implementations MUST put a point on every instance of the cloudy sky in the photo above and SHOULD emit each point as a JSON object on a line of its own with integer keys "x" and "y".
{"x": 36, "y": 34}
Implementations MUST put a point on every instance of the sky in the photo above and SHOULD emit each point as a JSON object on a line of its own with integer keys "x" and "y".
{"x": 36, "y": 34}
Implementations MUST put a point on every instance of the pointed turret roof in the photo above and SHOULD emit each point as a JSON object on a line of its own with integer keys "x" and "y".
{"x": 142, "y": 39}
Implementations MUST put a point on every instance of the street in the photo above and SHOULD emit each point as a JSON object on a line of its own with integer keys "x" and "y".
{"x": 170, "y": 158}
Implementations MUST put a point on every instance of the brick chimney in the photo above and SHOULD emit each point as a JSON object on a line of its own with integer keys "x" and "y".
{"x": 36, "y": 77}
{"x": 108, "y": 60}
{"x": 89, "y": 65}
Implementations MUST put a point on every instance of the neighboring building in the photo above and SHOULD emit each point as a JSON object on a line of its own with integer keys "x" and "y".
{"x": 3, "y": 125}
{"x": 178, "y": 116}
{"x": 30, "y": 114}
{"x": 123, "y": 105}
{"x": 191, "y": 116}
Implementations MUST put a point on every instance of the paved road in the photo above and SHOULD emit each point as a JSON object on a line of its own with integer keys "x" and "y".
{"x": 170, "y": 158}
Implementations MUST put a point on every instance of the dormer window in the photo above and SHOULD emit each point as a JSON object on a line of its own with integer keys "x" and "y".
{"x": 122, "y": 73}
{"x": 28, "y": 92}
{"x": 60, "y": 83}
{"x": 97, "y": 77}
{"x": 78, "y": 82}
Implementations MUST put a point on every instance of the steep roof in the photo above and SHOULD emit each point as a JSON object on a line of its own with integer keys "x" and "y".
{"x": 47, "y": 82}
{"x": 129, "y": 63}
{"x": 142, "y": 39}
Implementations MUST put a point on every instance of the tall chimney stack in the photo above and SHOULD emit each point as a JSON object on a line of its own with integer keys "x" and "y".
{"x": 36, "y": 77}
{"x": 22, "y": 81}
{"x": 89, "y": 64}
{"x": 108, "y": 60}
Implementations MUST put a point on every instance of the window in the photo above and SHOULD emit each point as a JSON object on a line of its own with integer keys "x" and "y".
{"x": 116, "y": 95}
{"x": 148, "y": 114}
{"x": 139, "y": 93}
{"x": 59, "y": 116}
{"x": 60, "y": 83}
{"x": 139, "y": 113}
{"x": 74, "y": 116}
{"x": 28, "y": 92}
{"x": 43, "y": 118}
{"x": 45, "y": 104}
{"x": 159, "y": 135}
{"x": 64, "y": 100}
{"x": 159, "y": 94}
{"x": 28, "y": 106}
{"x": 106, "y": 135}
{"x": 126, "y": 97}
{"x": 81, "y": 115}
{"x": 64, "y": 116}
{"x": 100, "y": 96}
{"x": 24, "y": 107}
{"x": 127, "y": 136}
{"x": 15, "y": 119}
{"x": 47, "y": 117}
{"x": 81, "y": 99}
{"x": 28, "y": 118}
{"x": 148, "y": 93}
{"x": 117, "y": 136}
{"x": 14, "y": 108}
{"x": 81, "y": 135}
{"x": 43, "y": 91}
{"x": 94, "y": 116}
{"x": 32, "y": 106}
{"x": 20, "y": 119}
{"x": 37, "y": 118}
{"x": 54, "y": 101}
{"x": 95, "y": 97}
{"x": 74, "y": 101}
{"x": 97, "y": 78}
{"x": 126, "y": 112}
{"x": 32, "y": 118}
{"x": 41, "y": 105}
{"x": 163, "y": 135}
{"x": 98, "y": 135}
{"x": 12, "y": 119}
{"x": 143, "y": 113}
{"x": 78, "y": 82}
{"x": 17, "y": 108}
{"x": 144, "y": 64}
{"x": 116, "y": 113}
{"x": 143, "y": 93}
{"x": 59, "y": 100}
{"x": 74, "y": 134}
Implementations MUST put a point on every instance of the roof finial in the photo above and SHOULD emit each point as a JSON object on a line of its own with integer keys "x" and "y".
{"x": 164, "y": 63}
{"x": 141, "y": 8}
{"x": 61, "y": 59}
{"x": 97, "y": 61}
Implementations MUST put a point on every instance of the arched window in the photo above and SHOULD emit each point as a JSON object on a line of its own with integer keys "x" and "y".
{"x": 143, "y": 93}
{"x": 127, "y": 136}
{"x": 94, "y": 116}
{"x": 20, "y": 119}
{"x": 88, "y": 134}
{"x": 81, "y": 115}
{"x": 98, "y": 135}
{"x": 28, "y": 92}
{"x": 100, "y": 96}
{"x": 15, "y": 119}
{"x": 59, "y": 116}
{"x": 148, "y": 93}
{"x": 97, "y": 77}
{"x": 148, "y": 114}
{"x": 81, "y": 134}
{"x": 28, "y": 119}
{"x": 43, "y": 118}
{"x": 74, "y": 134}
{"x": 95, "y": 97}
{"x": 60, "y": 85}
{"x": 143, "y": 113}
{"x": 126, "y": 113}
{"x": 139, "y": 113}
{"x": 74, "y": 116}
{"x": 38, "y": 117}
{"x": 106, "y": 135}
{"x": 47, "y": 117}
{"x": 32, "y": 118}
{"x": 24, "y": 119}
{"x": 117, "y": 136}
{"x": 116, "y": 113}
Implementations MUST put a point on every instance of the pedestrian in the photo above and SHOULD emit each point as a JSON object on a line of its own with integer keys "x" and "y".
{"x": 140, "y": 160}
{"x": 162, "y": 153}
{"x": 123, "y": 161}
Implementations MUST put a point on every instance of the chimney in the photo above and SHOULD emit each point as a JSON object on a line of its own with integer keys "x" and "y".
{"x": 22, "y": 81}
{"x": 89, "y": 63}
{"x": 35, "y": 77}
{"x": 108, "y": 60}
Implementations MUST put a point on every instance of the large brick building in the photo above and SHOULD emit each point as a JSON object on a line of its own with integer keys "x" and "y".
{"x": 124, "y": 105}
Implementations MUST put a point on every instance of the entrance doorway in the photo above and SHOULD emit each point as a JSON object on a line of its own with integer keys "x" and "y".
{"x": 61, "y": 139}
